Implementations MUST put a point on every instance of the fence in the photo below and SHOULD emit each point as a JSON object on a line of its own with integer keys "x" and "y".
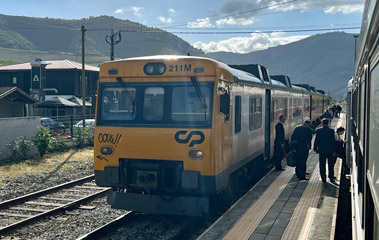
{"x": 12, "y": 128}
{"x": 70, "y": 121}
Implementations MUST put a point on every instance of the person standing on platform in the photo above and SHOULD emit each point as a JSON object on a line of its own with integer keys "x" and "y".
{"x": 279, "y": 143}
{"x": 340, "y": 149}
{"x": 302, "y": 140}
{"x": 325, "y": 146}
{"x": 328, "y": 114}
{"x": 338, "y": 110}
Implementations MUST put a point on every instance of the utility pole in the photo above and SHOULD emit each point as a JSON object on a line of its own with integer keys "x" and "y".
{"x": 83, "y": 80}
{"x": 113, "y": 39}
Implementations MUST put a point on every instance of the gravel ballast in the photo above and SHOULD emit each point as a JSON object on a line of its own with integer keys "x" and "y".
{"x": 78, "y": 222}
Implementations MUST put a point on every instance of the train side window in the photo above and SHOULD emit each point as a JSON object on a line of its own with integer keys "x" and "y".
{"x": 237, "y": 115}
{"x": 258, "y": 113}
{"x": 251, "y": 112}
{"x": 373, "y": 128}
{"x": 255, "y": 112}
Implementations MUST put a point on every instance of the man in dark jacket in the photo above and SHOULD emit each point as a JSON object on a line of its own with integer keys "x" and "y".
{"x": 325, "y": 145}
{"x": 301, "y": 139}
{"x": 279, "y": 143}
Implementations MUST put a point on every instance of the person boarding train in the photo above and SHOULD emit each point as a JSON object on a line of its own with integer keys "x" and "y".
{"x": 325, "y": 146}
{"x": 279, "y": 152}
{"x": 302, "y": 140}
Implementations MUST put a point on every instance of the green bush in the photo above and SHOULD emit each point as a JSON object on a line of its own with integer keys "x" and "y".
{"x": 42, "y": 140}
{"x": 80, "y": 137}
{"x": 90, "y": 137}
{"x": 19, "y": 148}
{"x": 84, "y": 137}
{"x": 57, "y": 144}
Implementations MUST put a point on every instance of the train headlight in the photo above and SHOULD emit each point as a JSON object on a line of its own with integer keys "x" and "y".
{"x": 196, "y": 154}
{"x": 154, "y": 68}
{"x": 107, "y": 150}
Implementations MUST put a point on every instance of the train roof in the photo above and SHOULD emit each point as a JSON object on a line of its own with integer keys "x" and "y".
{"x": 248, "y": 74}
{"x": 245, "y": 77}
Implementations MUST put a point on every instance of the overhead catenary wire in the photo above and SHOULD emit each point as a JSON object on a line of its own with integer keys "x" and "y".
{"x": 243, "y": 32}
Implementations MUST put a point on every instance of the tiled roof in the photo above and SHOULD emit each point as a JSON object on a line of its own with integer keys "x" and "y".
{"x": 52, "y": 65}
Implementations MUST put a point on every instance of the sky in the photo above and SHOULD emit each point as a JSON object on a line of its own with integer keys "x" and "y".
{"x": 240, "y": 26}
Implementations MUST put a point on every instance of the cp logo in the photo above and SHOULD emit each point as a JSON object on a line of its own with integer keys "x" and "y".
{"x": 188, "y": 138}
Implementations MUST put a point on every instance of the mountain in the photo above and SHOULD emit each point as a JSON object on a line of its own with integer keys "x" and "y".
{"x": 23, "y": 37}
{"x": 325, "y": 61}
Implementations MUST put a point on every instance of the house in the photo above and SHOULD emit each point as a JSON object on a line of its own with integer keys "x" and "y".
{"x": 63, "y": 77}
{"x": 52, "y": 77}
{"x": 14, "y": 102}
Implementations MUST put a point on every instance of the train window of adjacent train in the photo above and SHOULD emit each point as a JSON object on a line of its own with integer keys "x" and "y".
{"x": 237, "y": 111}
{"x": 116, "y": 104}
{"x": 363, "y": 112}
{"x": 188, "y": 106}
{"x": 373, "y": 131}
{"x": 153, "y": 104}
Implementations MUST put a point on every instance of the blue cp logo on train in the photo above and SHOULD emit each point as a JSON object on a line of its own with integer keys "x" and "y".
{"x": 178, "y": 138}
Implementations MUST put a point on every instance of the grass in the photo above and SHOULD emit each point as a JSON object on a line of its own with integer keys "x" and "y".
{"x": 20, "y": 55}
{"x": 7, "y": 62}
{"x": 51, "y": 162}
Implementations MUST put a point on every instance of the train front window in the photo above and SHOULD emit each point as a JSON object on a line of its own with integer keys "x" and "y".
{"x": 187, "y": 105}
{"x": 156, "y": 104}
{"x": 116, "y": 105}
{"x": 153, "y": 104}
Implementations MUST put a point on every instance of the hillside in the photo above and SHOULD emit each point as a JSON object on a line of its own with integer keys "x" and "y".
{"x": 62, "y": 39}
{"x": 324, "y": 61}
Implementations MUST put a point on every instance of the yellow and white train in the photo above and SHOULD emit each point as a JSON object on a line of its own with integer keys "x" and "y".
{"x": 172, "y": 130}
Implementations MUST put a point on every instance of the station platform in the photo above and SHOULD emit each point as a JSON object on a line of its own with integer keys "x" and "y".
{"x": 280, "y": 206}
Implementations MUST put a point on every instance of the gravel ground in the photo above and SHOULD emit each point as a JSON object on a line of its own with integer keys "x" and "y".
{"x": 75, "y": 223}
{"x": 17, "y": 186}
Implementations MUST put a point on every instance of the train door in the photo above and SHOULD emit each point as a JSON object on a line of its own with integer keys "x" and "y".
{"x": 267, "y": 124}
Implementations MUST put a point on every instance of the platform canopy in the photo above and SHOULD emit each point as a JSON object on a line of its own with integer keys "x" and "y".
{"x": 79, "y": 101}
{"x": 56, "y": 102}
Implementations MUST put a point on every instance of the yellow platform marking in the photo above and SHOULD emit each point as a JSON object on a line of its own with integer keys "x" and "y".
{"x": 254, "y": 215}
{"x": 302, "y": 217}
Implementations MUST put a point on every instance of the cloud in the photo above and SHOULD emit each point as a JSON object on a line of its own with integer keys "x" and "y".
{"x": 235, "y": 21}
{"x": 164, "y": 19}
{"x": 171, "y": 10}
{"x": 242, "y": 12}
{"x": 136, "y": 10}
{"x": 200, "y": 23}
{"x": 329, "y": 7}
{"x": 255, "y": 42}
{"x": 344, "y": 9}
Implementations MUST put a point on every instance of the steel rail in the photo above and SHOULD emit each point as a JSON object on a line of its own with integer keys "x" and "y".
{"x": 33, "y": 195}
{"x": 100, "y": 231}
{"x": 53, "y": 211}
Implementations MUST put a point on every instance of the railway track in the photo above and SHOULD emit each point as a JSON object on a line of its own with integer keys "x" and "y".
{"x": 106, "y": 231}
{"x": 18, "y": 212}
{"x": 95, "y": 234}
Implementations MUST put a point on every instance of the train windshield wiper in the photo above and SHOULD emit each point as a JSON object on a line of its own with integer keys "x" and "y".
{"x": 195, "y": 84}
{"x": 131, "y": 99}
